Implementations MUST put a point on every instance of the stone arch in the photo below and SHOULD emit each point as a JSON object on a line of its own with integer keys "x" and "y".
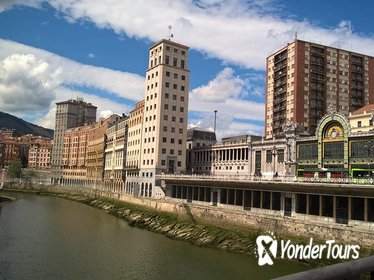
{"x": 333, "y": 127}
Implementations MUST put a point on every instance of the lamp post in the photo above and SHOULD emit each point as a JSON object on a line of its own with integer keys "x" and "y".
{"x": 215, "y": 120}
{"x": 274, "y": 153}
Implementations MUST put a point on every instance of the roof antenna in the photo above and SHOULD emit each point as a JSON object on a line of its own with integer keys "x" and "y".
{"x": 171, "y": 35}
{"x": 295, "y": 35}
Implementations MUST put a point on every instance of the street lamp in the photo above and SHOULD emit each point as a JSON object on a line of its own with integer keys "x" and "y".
{"x": 274, "y": 153}
{"x": 215, "y": 120}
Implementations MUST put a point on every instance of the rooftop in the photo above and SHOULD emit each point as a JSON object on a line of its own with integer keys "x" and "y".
{"x": 368, "y": 108}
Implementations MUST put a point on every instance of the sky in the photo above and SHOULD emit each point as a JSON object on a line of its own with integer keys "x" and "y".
{"x": 55, "y": 50}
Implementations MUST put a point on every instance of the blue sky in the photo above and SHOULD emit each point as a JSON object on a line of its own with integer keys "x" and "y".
{"x": 56, "y": 50}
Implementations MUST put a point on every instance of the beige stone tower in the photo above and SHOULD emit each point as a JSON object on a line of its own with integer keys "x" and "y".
{"x": 165, "y": 114}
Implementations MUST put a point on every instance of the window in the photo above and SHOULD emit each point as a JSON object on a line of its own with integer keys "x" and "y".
{"x": 183, "y": 77}
{"x": 163, "y": 139}
{"x": 183, "y": 52}
{"x": 359, "y": 149}
{"x": 172, "y": 151}
{"x": 180, "y": 130}
{"x": 166, "y": 106}
{"x": 174, "y": 97}
{"x": 168, "y": 48}
{"x": 163, "y": 162}
{"x": 174, "y": 108}
{"x": 171, "y": 140}
{"x": 269, "y": 156}
{"x": 181, "y": 109}
{"x": 309, "y": 151}
{"x": 165, "y": 128}
{"x": 175, "y": 76}
{"x": 180, "y": 141}
{"x": 167, "y": 84}
{"x": 179, "y": 152}
{"x": 165, "y": 117}
{"x": 175, "y": 61}
{"x": 182, "y": 64}
{"x": 166, "y": 95}
{"x": 182, "y": 88}
{"x": 359, "y": 124}
{"x": 182, "y": 98}
{"x": 164, "y": 151}
{"x": 167, "y": 74}
{"x": 280, "y": 154}
{"x": 173, "y": 118}
{"x": 181, "y": 120}
{"x": 175, "y": 86}
{"x": 334, "y": 150}
{"x": 166, "y": 59}
{"x": 173, "y": 129}
{"x": 179, "y": 164}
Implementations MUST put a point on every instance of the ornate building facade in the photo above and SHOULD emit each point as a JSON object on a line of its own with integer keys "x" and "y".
{"x": 335, "y": 150}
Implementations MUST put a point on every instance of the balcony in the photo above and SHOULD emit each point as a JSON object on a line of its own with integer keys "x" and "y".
{"x": 356, "y": 69}
{"x": 280, "y": 57}
{"x": 280, "y": 66}
{"x": 279, "y": 108}
{"x": 317, "y": 61}
{"x": 280, "y": 74}
{"x": 280, "y": 83}
{"x": 131, "y": 167}
{"x": 317, "y": 51}
{"x": 356, "y": 60}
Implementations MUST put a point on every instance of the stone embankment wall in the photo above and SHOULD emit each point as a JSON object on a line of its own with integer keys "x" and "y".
{"x": 256, "y": 222}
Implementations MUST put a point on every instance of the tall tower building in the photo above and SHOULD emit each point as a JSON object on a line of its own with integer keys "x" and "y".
{"x": 69, "y": 114}
{"x": 165, "y": 113}
{"x": 303, "y": 79}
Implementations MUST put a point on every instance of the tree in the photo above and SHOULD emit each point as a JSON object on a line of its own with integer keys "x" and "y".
{"x": 15, "y": 169}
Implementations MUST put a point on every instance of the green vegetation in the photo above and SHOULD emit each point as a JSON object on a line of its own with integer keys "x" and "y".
{"x": 15, "y": 169}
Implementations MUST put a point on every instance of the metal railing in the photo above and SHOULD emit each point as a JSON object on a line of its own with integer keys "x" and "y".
{"x": 241, "y": 177}
{"x": 346, "y": 270}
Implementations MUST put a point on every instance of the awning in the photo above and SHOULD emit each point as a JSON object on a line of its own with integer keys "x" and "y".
{"x": 337, "y": 169}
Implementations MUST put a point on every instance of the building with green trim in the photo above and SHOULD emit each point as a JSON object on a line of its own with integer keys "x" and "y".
{"x": 335, "y": 151}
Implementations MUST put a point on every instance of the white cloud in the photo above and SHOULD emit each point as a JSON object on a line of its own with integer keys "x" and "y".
{"x": 126, "y": 85}
{"x": 227, "y": 125}
{"x": 224, "y": 94}
{"x": 26, "y": 83}
{"x": 223, "y": 86}
{"x": 7, "y": 4}
{"x": 240, "y": 32}
{"x": 31, "y": 80}
{"x": 106, "y": 113}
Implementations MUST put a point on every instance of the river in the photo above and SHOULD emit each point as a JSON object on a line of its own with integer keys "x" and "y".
{"x": 44, "y": 237}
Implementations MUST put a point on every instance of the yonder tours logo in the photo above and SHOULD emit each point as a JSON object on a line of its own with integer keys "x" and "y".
{"x": 267, "y": 250}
